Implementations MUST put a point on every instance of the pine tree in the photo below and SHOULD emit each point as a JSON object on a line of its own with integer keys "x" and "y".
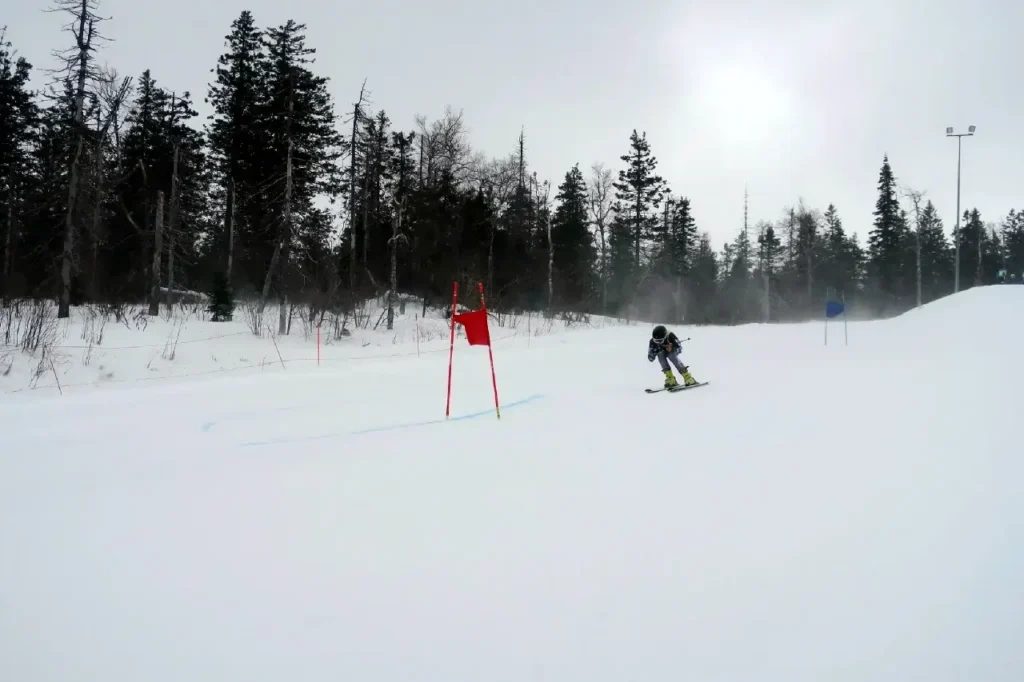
{"x": 702, "y": 284}
{"x": 18, "y": 120}
{"x": 889, "y": 244}
{"x": 739, "y": 297}
{"x": 222, "y": 300}
{"x": 1013, "y": 244}
{"x": 148, "y": 164}
{"x": 769, "y": 248}
{"x": 640, "y": 190}
{"x": 372, "y": 179}
{"x": 806, "y": 254}
{"x": 682, "y": 239}
{"x": 40, "y": 245}
{"x": 972, "y": 242}
{"x": 302, "y": 149}
{"x": 936, "y": 256}
{"x": 573, "y": 245}
{"x": 840, "y": 257}
{"x": 238, "y": 136}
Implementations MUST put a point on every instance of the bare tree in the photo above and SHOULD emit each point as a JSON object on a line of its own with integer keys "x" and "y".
{"x": 110, "y": 98}
{"x": 498, "y": 181}
{"x": 915, "y": 197}
{"x": 158, "y": 243}
{"x": 600, "y": 193}
{"x": 78, "y": 67}
{"x": 445, "y": 149}
{"x": 357, "y": 116}
{"x": 397, "y": 237}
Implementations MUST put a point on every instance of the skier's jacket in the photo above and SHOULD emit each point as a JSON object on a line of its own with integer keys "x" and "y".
{"x": 669, "y": 346}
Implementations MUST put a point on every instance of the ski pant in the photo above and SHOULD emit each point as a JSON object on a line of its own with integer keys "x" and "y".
{"x": 664, "y": 358}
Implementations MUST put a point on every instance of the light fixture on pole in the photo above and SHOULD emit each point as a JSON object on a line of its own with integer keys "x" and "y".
{"x": 956, "y": 230}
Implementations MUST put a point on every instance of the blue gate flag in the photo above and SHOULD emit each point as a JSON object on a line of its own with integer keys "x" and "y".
{"x": 833, "y": 309}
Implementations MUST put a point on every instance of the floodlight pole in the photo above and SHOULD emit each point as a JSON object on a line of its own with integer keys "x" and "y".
{"x": 956, "y": 230}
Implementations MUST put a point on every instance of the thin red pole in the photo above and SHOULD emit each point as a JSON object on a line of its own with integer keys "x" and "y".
{"x": 451, "y": 349}
{"x": 490, "y": 354}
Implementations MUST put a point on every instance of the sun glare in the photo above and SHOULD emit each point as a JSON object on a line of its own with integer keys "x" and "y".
{"x": 743, "y": 103}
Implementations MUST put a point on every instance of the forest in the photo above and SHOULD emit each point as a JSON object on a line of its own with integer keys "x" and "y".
{"x": 112, "y": 190}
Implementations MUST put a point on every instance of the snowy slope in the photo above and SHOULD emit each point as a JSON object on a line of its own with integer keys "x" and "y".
{"x": 816, "y": 513}
{"x": 93, "y": 351}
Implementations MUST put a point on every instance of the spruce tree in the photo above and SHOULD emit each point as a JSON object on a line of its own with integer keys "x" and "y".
{"x": 740, "y": 300}
{"x": 839, "y": 262}
{"x": 936, "y": 256}
{"x": 701, "y": 306}
{"x": 972, "y": 237}
{"x": 18, "y": 120}
{"x": 889, "y": 245}
{"x": 1013, "y": 244}
{"x": 640, "y": 191}
{"x": 147, "y": 160}
{"x": 807, "y": 252}
{"x": 40, "y": 246}
{"x": 769, "y": 248}
{"x": 682, "y": 239}
{"x": 238, "y": 138}
{"x": 573, "y": 245}
{"x": 222, "y": 300}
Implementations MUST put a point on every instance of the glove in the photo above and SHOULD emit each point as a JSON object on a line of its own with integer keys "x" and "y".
{"x": 650, "y": 356}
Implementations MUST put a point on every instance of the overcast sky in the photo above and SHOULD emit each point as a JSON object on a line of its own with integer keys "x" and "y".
{"x": 796, "y": 98}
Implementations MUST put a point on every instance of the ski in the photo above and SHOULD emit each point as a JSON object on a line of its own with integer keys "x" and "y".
{"x": 676, "y": 389}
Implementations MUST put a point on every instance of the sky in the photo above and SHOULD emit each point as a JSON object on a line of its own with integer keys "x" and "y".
{"x": 790, "y": 100}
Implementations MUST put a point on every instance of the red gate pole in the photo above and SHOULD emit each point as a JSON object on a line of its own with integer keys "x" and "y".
{"x": 451, "y": 350}
{"x": 490, "y": 354}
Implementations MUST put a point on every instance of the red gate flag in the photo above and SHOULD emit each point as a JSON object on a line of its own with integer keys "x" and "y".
{"x": 478, "y": 334}
{"x": 475, "y": 324}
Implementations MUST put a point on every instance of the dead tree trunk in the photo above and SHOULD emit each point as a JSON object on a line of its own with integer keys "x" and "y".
{"x": 551, "y": 268}
{"x": 8, "y": 244}
{"x": 978, "y": 270}
{"x": 282, "y": 322}
{"x": 396, "y": 237}
{"x": 356, "y": 114}
{"x": 490, "y": 258}
{"x": 158, "y": 244}
{"x": 94, "y": 231}
{"x": 83, "y": 36}
{"x": 232, "y": 212}
{"x": 810, "y": 263}
{"x": 915, "y": 198}
{"x": 366, "y": 214}
{"x": 279, "y": 260}
{"x": 172, "y": 227}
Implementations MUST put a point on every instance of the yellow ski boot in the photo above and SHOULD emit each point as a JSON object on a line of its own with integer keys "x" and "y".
{"x": 687, "y": 377}
{"x": 670, "y": 379}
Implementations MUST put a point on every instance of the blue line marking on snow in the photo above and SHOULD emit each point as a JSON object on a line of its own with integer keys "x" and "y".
{"x": 395, "y": 427}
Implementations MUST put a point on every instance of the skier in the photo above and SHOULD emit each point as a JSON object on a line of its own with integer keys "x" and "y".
{"x": 666, "y": 346}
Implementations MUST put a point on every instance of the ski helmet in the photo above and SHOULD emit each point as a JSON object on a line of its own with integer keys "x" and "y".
{"x": 659, "y": 333}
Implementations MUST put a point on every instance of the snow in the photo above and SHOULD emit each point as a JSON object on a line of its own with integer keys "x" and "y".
{"x": 816, "y": 512}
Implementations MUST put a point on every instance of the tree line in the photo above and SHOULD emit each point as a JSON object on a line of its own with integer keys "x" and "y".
{"x": 112, "y": 190}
